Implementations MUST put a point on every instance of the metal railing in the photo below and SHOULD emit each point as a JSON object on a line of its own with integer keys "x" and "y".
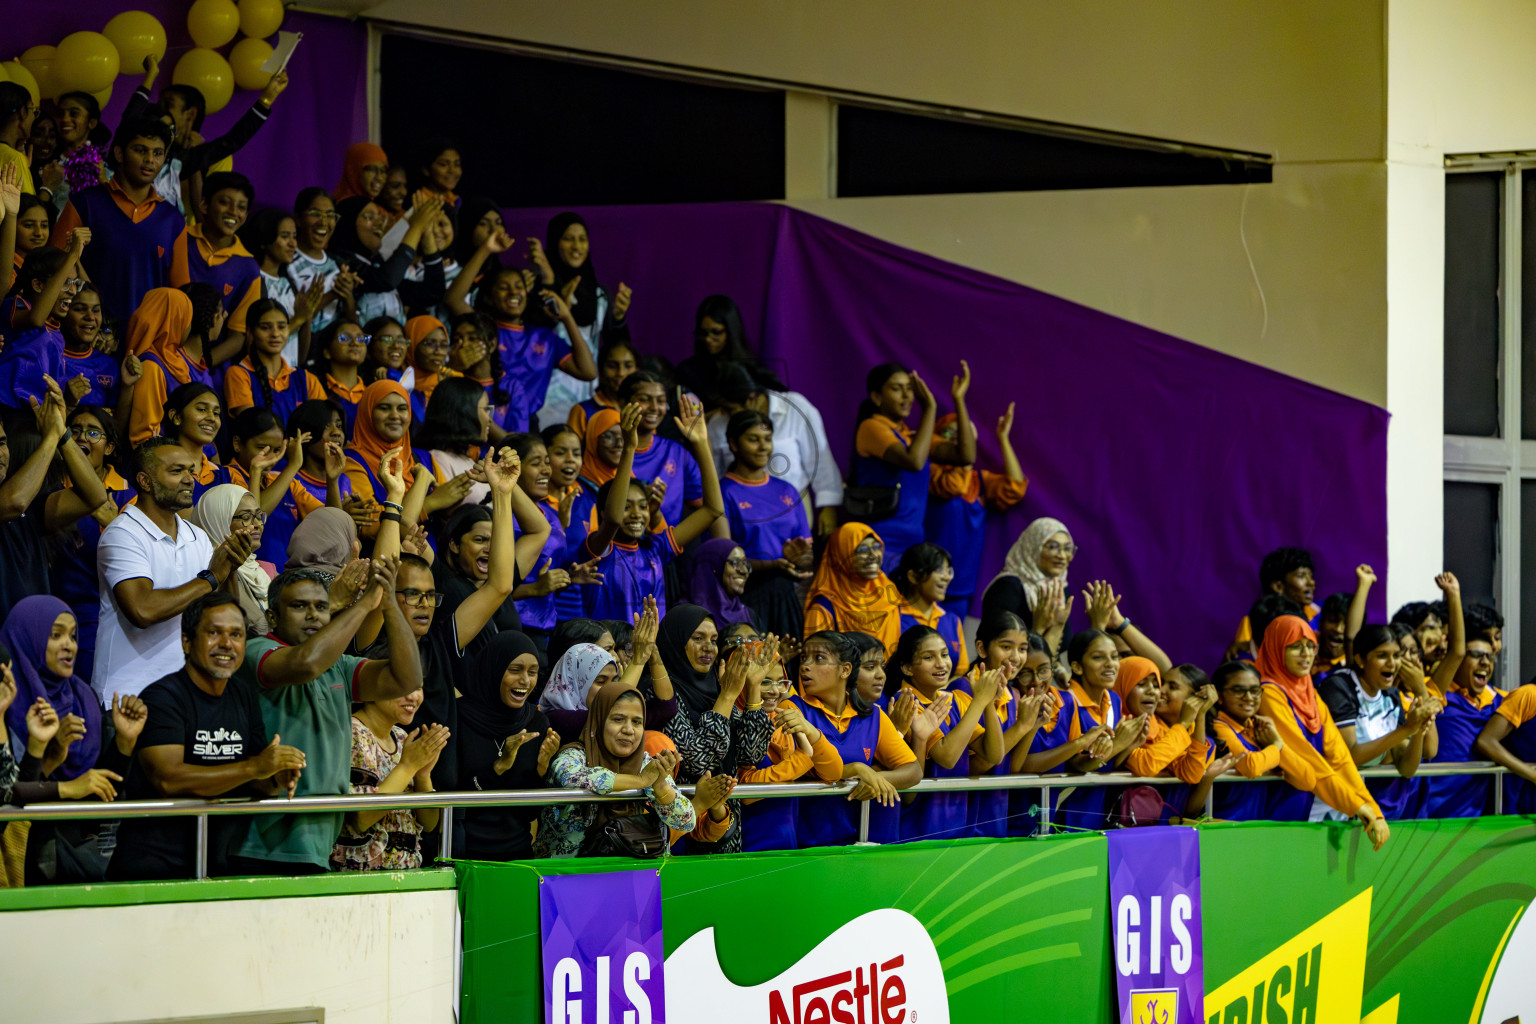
{"x": 446, "y": 802}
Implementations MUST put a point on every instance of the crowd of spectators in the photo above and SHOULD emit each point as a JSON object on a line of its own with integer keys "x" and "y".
{"x": 352, "y": 492}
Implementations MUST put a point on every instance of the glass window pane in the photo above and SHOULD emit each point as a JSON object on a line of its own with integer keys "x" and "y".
{"x": 1528, "y": 307}
{"x": 1471, "y": 540}
{"x": 1472, "y": 303}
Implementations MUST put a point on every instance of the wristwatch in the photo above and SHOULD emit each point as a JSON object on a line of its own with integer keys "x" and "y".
{"x": 209, "y": 578}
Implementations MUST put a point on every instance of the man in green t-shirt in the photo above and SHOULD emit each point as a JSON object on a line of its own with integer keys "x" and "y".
{"x": 307, "y": 687}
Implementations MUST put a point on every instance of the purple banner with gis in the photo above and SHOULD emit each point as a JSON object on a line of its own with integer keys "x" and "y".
{"x": 1154, "y": 900}
{"x": 602, "y": 948}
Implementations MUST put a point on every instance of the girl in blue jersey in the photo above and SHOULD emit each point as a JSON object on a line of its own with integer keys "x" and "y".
{"x": 631, "y": 558}
{"x": 1470, "y": 700}
{"x": 1002, "y": 645}
{"x": 967, "y": 725}
{"x": 529, "y": 354}
{"x": 74, "y": 524}
{"x": 922, "y": 577}
{"x": 871, "y": 748}
{"x": 1095, "y": 664}
{"x": 1248, "y": 738}
{"x": 890, "y": 455}
{"x": 766, "y": 516}
{"x": 325, "y": 459}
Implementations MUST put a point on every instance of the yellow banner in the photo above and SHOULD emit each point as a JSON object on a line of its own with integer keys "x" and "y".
{"x": 1314, "y": 978}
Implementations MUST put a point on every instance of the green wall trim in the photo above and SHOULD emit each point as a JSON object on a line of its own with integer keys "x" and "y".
{"x": 125, "y": 894}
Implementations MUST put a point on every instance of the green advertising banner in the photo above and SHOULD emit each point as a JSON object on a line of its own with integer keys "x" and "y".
{"x": 977, "y": 925}
{"x": 1433, "y": 929}
{"x": 1303, "y": 924}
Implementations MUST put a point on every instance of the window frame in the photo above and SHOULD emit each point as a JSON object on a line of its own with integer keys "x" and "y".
{"x": 1506, "y": 460}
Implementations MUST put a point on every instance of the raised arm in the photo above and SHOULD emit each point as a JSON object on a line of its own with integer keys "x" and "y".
{"x": 53, "y": 288}
{"x": 401, "y": 673}
{"x": 387, "y": 543}
{"x": 691, "y": 425}
{"x": 1456, "y": 628}
{"x": 583, "y": 367}
{"x": 915, "y": 456}
{"x": 962, "y": 450}
{"x": 1103, "y": 606}
{"x": 618, "y": 490}
{"x": 1355, "y": 617}
{"x": 457, "y": 298}
{"x": 1011, "y": 467}
{"x": 10, "y": 209}
{"x": 501, "y": 471}
{"x": 306, "y": 662}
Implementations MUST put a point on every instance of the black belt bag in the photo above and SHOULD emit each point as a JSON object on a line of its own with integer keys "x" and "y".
{"x": 871, "y": 503}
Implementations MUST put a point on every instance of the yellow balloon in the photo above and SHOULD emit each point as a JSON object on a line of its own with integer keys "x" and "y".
{"x": 213, "y": 22}
{"x": 207, "y": 72}
{"x": 43, "y": 63}
{"x": 136, "y": 35}
{"x": 246, "y": 59}
{"x": 13, "y": 71}
{"x": 103, "y": 97}
{"x": 260, "y": 18}
{"x": 87, "y": 62}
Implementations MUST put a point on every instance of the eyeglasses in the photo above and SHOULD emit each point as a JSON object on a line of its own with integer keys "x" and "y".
{"x": 91, "y": 434}
{"x": 739, "y": 564}
{"x": 354, "y": 339}
{"x": 321, "y": 215}
{"x": 72, "y": 284}
{"x": 1040, "y": 675}
{"x": 441, "y": 345}
{"x": 420, "y": 598}
{"x": 869, "y": 549}
{"x": 1245, "y": 691}
{"x": 247, "y": 518}
{"x": 1480, "y": 655}
{"x": 392, "y": 340}
{"x": 1053, "y": 547}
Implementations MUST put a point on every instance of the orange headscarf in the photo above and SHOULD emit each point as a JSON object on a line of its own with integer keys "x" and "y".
{"x": 368, "y": 447}
{"x": 417, "y": 328}
{"x": 861, "y": 605}
{"x": 1283, "y": 632}
{"x": 1133, "y": 671}
{"x": 159, "y": 326}
{"x": 359, "y": 155}
{"x": 594, "y": 469}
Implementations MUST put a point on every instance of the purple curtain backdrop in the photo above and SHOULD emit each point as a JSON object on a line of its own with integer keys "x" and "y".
{"x": 1175, "y": 466}
{"x": 304, "y": 143}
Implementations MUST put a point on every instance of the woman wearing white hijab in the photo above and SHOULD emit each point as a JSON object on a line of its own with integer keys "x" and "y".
{"x": 226, "y": 509}
{"x": 1034, "y": 577}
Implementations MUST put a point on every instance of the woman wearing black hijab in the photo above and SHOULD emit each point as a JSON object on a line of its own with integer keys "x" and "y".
{"x": 504, "y": 742}
{"x": 714, "y": 732}
{"x": 567, "y": 257}
{"x": 360, "y": 228}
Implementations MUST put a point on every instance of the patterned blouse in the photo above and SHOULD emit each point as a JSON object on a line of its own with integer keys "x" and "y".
{"x": 10, "y": 771}
{"x": 702, "y": 748}
{"x": 563, "y": 827}
{"x": 393, "y": 842}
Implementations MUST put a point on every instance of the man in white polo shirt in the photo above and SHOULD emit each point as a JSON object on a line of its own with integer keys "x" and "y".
{"x": 150, "y": 565}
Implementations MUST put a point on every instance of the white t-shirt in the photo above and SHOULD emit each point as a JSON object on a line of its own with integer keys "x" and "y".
{"x": 302, "y": 272}
{"x": 132, "y": 547}
{"x": 280, "y": 290}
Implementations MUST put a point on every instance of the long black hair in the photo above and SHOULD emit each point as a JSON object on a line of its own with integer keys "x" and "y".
{"x": 583, "y": 301}
{"x": 848, "y": 653}
{"x": 738, "y": 348}
{"x": 875, "y": 380}
{"x": 452, "y": 422}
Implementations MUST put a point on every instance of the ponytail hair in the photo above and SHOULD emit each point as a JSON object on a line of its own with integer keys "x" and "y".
{"x": 874, "y": 380}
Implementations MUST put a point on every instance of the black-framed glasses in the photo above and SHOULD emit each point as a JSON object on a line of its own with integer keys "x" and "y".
{"x": 322, "y": 215}
{"x": 441, "y": 345}
{"x": 248, "y": 517}
{"x": 740, "y": 564}
{"x": 1057, "y": 548}
{"x": 420, "y": 598}
{"x": 91, "y": 434}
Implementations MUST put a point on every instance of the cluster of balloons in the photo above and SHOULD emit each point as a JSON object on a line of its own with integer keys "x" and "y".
{"x": 91, "y": 61}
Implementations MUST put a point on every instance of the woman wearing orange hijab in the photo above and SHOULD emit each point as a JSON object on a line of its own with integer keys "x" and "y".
{"x": 849, "y": 592}
{"x": 603, "y": 448}
{"x": 1169, "y": 749}
{"x": 1313, "y": 748}
{"x": 157, "y": 332}
{"x": 428, "y": 359}
{"x": 364, "y": 173}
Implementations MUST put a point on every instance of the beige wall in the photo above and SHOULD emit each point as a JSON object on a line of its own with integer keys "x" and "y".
{"x": 1262, "y": 75}
{"x": 366, "y": 959}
